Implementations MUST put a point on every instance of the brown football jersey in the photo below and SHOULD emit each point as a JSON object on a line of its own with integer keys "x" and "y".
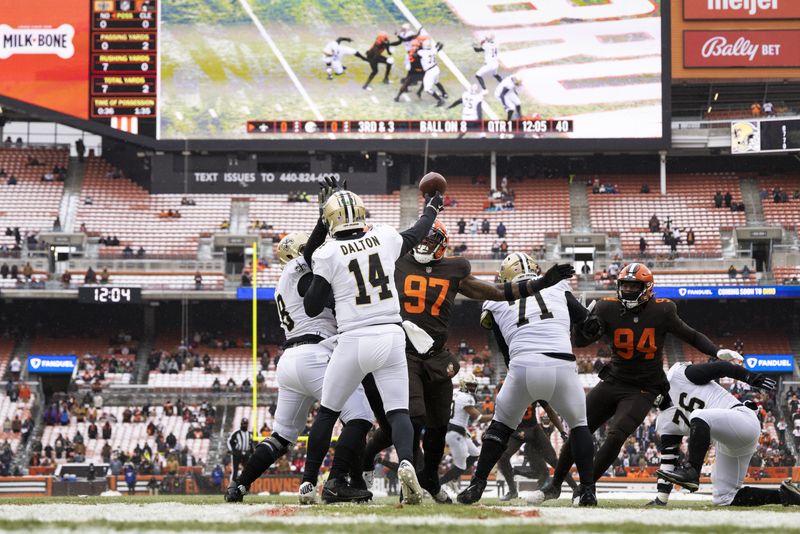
{"x": 428, "y": 291}
{"x": 637, "y": 340}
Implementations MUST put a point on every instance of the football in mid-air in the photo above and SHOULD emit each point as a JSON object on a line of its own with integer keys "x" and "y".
{"x": 431, "y": 183}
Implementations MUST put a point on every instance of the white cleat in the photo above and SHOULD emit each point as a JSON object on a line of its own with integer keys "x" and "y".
{"x": 412, "y": 491}
{"x": 369, "y": 478}
{"x": 536, "y": 498}
{"x": 307, "y": 493}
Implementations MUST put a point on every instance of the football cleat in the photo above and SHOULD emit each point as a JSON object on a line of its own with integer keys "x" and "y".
{"x": 412, "y": 491}
{"x": 235, "y": 493}
{"x": 337, "y": 490}
{"x": 584, "y": 496}
{"x": 473, "y": 493}
{"x": 435, "y": 489}
{"x": 685, "y": 476}
{"x": 307, "y": 494}
{"x": 369, "y": 479}
{"x": 656, "y": 503}
{"x": 548, "y": 492}
{"x": 510, "y": 496}
{"x": 790, "y": 494}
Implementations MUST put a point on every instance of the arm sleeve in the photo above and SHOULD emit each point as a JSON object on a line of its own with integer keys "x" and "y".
{"x": 480, "y": 111}
{"x": 478, "y": 48}
{"x": 454, "y": 104}
{"x": 304, "y": 283}
{"x": 501, "y": 342}
{"x": 415, "y": 234}
{"x": 689, "y": 334}
{"x": 577, "y": 313}
{"x": 579, "y": 339}
{"x": 703, "y": 373}
{"x": 315, "y": 240}
{"x": 317, "y": 296}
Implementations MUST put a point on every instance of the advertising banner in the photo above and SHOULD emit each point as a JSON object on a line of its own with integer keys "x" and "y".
{"x": 725, "y": 292}
{"x": 740, "y": 9}
{"x": 741, "y": 48}
{"x": 51, "y": 363}
{"x": 769, "y": 363}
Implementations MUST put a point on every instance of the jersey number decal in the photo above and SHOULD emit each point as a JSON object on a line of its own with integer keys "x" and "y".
{"x": 416, "y": 287}
{"x": 286, "y": 320}
{"x": 623, "y": 342}
{"x": 546, "y": 314}
{"x": 693, "y": 404}
{"x": 377, "y": 278}
{"x": 452, "y": 409}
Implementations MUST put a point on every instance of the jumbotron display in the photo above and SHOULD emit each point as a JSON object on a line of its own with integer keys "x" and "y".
{"x": 256, "y": 69}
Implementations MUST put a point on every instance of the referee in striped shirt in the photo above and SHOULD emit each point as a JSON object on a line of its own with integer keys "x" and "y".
{"x": 240, "y": 444}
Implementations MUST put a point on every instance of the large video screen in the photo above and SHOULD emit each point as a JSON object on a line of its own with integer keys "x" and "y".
{"x": 358, "y": 69}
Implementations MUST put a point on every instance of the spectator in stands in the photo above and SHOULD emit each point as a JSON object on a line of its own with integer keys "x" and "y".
{"x": 718, "y": 199}
{"x": 746, "y": 272}
{"x": 140, "y": 252}
{"x": 496, "y": 250}
{"x": 92, "y": 431}
{"x": 246, "y": 280}
{"x": 732, "y": 272}
{"x": 90, "y": 277}
{"x": 449, "y": 202}
{"x": 11, "y": 180}
{"x": 654, "y": 224}
{"x": 755, "y": 109}
{"x": 501, "y": 230}
{"x": 130, "y": 478}
{"x": 127, "y": 252}
{"x": 613, "y": 271}
{"x": 198, "y": 281}
{"x": 27, "y": 271}
{"x": 503, "y": 248}
{"x": 473, "y": 226}
{"x": 14, "y": 272}
{"x": 80, "y": 149}
{"x": 585, "y": 269}
{"x": 781, "y": 427}
{"x": 104, "y": 276}
{"x": 645, "y": 188}
{"x": 106, "y": 431}
{"x": 4, "y": 270}
{"x": 18, "y": 142}
{"x": 642, "y": 246}
{"x": 7, "y": 143}
{"x": 230, "y": 385}
{"x": 15, "y": 367}
{"x": 186, "y": 201}
{"x": 485, "y": 226}
{"x": 462, "y": 225}
{"x": 690, "y": 237}
{"x": 768, "y": 108}
{"x": 728, "y": 199}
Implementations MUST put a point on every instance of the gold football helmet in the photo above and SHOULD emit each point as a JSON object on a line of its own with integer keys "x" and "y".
{"x": 518, "y": 266}
{"x": 292, "y": 246}
{"x": 468, "y": 383}
{"x": 343, "y": 211}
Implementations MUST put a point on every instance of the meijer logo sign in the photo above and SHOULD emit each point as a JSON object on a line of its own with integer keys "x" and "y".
{"x": 740, "y": 9}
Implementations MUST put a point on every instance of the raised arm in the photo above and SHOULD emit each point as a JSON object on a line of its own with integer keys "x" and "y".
{"x": 474, "y": 288}
{"x": 703, "y": 373}
{"x": 414, "y": 235}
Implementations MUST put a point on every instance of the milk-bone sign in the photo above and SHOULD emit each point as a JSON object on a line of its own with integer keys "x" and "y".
{"x": 741, "y": 48}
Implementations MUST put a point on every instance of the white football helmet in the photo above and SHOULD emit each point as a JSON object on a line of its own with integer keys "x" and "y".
{"x": 468, "y": 383}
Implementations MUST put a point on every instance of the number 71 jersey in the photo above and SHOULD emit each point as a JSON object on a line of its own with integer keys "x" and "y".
{"x": 361, "y": 275}
{"x": 536, "y": 325}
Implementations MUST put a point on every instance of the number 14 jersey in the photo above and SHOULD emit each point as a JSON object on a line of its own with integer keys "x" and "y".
{"x": 536, "y": 325}
{"x": 361, "y": 274}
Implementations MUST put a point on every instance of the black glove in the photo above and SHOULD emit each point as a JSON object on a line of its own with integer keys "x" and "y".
{"x": 760, "y": 381}
{"x": 564, "y": 436}
{"x": 557, "y": 273}
{"x": 592, "y": 327}
{"x": 334, "y": 183}
{"x": 436, "y": 202}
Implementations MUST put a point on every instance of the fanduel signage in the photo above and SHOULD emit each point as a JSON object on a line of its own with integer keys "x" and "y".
{"x": 725, "y": 292}
{"x": 769, "y": 363}
{"x": 49, "y": 363}
{"x": 740, "y": 9}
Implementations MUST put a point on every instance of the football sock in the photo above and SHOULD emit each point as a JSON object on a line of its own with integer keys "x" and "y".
{"x": 750, "y": 496}
{"x": 379, "y": 441}
{"x": 504, "y": 465}
{"x": 402, "y": 434}
{"x": 266, "y": 453}
{"x": 670, "y": 448}
{"x": 349, "y": 447}
{"x": 495, "y": 441}
{"x": 498, "y": 78}
{"x": 319, "y": 439}
{"x": 583, "y": 450}
{"x": 699, "y": 441}
{"x": 418, "y": 423}
{"x": 564, "y": 463}
{"x": 480, "y": 81}
{"x": 433, "y": 443}
{"x": 453, "y": 474}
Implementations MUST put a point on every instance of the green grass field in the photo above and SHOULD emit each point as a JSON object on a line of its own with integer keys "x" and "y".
{"x": 282, "y": 514}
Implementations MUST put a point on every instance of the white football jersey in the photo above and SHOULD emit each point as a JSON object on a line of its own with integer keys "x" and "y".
{"x": 537, "y": 324}
{"x": 291, "y": 313}
{"x": 427, "y": 58}
{"x": 361, "y": 274}
{"x": 469, "y": 105}
{"x": 489, "y": 52}
{"x": 333, "y": 51}
{"x": 460, "y": 401}
{"x": 688, "y": 396}
{"x": 507, "y": 83}
{"x": 405, "y": 37}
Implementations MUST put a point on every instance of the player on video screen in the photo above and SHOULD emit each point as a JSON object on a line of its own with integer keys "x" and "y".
{"x": 415, "y": 73}
{"x": 430, "y": 80}
{"x": 375, "y": 56}
{"x": 471, "y": 104}
{"x": 332, "y": 56}
{"x": 407, "y": 36}
{"x": 490, "y": 61}
{"x": 506, "y": 93}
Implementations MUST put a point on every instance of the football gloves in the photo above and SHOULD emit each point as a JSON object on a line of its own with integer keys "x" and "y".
{"x": 592, "y": 327}
{"x": 436, "y": 202}
{"x": 761, "y": 381}
{"x": 557, "y": 273}
{"x": 327, "y": 187}
{"x": 729, "y": 355}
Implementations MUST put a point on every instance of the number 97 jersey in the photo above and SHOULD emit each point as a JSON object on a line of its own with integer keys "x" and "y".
{"x": 536, "y": 325}
{"x": 291, "y": 312}
{"x": 361, "y": 275}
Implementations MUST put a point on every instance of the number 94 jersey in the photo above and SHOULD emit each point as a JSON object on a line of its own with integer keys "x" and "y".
{"x": 361, "y": 274}
{"x": 535, "y": 325}
{"x": 291, "y": 312}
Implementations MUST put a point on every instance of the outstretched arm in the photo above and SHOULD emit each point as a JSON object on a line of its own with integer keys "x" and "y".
{"x": 554, "y": 417}
{"x": 474, "y": 288}
{"x": 474, "y": 413}
{"x": 703, "y": 373}
{"x": 315, "y": 240}
{"x": 454, "y": 104}
{"x": 414, "y": 235}
{"x": 691, "y": 336}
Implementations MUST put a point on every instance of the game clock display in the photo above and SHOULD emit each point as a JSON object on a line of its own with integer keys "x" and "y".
{"x": 109, "y": 295}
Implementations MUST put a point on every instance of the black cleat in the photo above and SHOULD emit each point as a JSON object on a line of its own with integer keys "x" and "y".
{"x": 685, "y": 476}
{"x": 548, "y": 492}
{"x": 235, "y": 493}
{"x": 655, "y": 503}
{"x": 473, "y": 493}
{"x": 510, "y": 496}
{"x": 790, "y": 494}
{"x": 584, "y": 496}
{"x": 358, "y": 482}
{"x": 337, "y": 490}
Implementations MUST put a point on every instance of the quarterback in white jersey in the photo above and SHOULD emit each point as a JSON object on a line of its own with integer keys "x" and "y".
{"x": 332, "y": 56}
{"x": 535, "y": 334}
{"x": 490, "y": 60}
{"x": 458, "y": 439}
{"x": 300, "y": 372}
{"x": 506, "y": 93}
{"x": 705, "y": 411}
{"x": 471, "y": 104}
{"x": 357, "y": 268}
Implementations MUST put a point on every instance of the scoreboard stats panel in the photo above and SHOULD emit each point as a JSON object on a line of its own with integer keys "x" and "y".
{"x": 430, "y": 127}
{"x": 767, "y": 135}
{"x": 124, "y": 64}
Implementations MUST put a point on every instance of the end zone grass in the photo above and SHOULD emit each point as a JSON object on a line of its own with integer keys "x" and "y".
{"x": 272, "y": 514}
